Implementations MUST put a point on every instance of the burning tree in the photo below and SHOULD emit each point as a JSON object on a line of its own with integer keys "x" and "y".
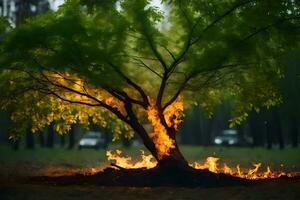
{"x": 124, "y": 64}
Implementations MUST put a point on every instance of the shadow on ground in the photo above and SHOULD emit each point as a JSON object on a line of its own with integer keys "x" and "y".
{"x": 272, "y": 190}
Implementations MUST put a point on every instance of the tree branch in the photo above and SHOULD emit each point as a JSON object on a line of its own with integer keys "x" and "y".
{"x": 221, "y": 17}
{"x": 155, "y": 51}
{"x": 134, "y": 85}
{"x": 143, "y": 64}
{"x": 261, "y": 29}
{"x": 100, "y": 103}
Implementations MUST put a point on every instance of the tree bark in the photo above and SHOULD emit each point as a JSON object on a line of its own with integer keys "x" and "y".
{"x": 16, "y": 145}
{"x": 257, "y": 128}
{"x": 72, "y": 138}
{"x": 269, "y": 135}
{"x": 277, "y": 127}
{"x": 29, "y": 140}
{"x": 294, "y": 131}
{"x": 41, "y": 138}
{"x": 174, "y": 159}
{"x": 62, "y": 140}
{"x": 50, "y": 136}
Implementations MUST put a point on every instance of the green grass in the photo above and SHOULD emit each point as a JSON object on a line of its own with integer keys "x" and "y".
{"x": 87, "y": 157}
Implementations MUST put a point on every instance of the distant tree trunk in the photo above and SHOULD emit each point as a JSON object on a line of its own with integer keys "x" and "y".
{"x": 72, "y": 138}
{"x": 125, "y": 142}
{"x": 50, "y": 136}
{"x": 62, "y": 140}
{"x": 106, "y": 138}
{"x": 256, "y": 127}
{"x": 23, "y": 11}
{"x": 187, "y": 129}
{"x": 208, "y": 132}
{"x": 269, "y": 135}
{"x": 294, "y": 131}
{"x": 29, "y": 140}
{"x": 41, "y": 138}
{"x": 16, "y": 144}
{"x": 277, "y": 127}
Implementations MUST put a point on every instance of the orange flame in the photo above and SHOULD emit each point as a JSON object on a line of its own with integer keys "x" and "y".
{"x": 147, "y": 161}
{"x": 211, "y": 164}
{"x": 173, "y": 112}
{"x": 162, "y": 141}
{"x": 254, "y": 173}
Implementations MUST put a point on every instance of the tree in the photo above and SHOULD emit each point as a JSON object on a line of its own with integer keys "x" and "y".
{"x": 113, "y": 61}
{"x": 29, "y": 140}
{"x": 72, "y": 137}
{"x": 50, "y": 136}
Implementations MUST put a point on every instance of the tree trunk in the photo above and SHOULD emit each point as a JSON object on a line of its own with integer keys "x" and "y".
{"x": 125, "y": 142}
{"x": 294, "y": 131}
{"x": 29, "y": 140}
{"x": 173, "y": 160}
{"x": 257, "y": 131}
{"x": 72, "y": 138}
{"x": 41, "y": 138}
{"x": 269, "y": 135}
{"x": 106, "y": 137}
{"x": 62, "y": 140}
{"x": 277, "y": 127}
{"x": 16, "y": 144}
{"x": 50, "y": 136}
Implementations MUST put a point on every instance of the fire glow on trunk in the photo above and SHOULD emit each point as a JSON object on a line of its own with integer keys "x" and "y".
{"x": 163, "y": 143}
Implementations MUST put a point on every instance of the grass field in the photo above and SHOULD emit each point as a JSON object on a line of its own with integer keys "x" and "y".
{"x": 289, "y": 157}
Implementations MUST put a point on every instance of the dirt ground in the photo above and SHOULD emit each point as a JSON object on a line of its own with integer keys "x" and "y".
{"x": 273, "y": 190}
{"x": 13, "y": 185}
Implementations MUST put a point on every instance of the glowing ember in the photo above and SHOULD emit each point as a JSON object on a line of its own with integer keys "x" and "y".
{"x": 211, "y": 164}
{"x": 162, "y": 141}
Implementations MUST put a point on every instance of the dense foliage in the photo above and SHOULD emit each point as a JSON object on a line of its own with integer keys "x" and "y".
{"x": 109, "y": 61}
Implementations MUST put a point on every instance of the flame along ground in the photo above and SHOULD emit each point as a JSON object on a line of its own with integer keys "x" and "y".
{"x": 211, "y": 164}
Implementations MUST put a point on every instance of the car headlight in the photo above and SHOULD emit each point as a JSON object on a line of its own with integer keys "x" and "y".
{"x": 218, "y": 141}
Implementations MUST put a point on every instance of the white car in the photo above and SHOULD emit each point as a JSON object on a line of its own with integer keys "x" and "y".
{"x": 92, "y": 140}
{"x": 230, "y": 137}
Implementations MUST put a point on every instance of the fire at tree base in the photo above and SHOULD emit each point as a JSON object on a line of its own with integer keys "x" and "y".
{"x": 155, "y": 177}
{"x": 145, "y": 173}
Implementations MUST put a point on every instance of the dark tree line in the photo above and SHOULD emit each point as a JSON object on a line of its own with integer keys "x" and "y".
{"x": 17, "y": 11}
{"x": 277, "y": 125}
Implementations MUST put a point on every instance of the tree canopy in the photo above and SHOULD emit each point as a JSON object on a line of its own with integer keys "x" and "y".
{"x": 115, "y": 60}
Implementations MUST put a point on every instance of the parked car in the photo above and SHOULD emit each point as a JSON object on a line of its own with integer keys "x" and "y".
{"x": 231, "y": 137}
{"x": 92, "y": 140}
